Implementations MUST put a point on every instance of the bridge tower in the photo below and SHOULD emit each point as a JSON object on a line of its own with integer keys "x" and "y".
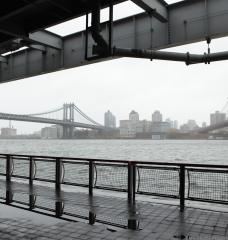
{"x": 68, "y": 116}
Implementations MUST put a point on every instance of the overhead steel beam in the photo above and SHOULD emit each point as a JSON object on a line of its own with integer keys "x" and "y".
{"x": 47, "y": 38}
{"x": 3, "y": 59}
{"x": 157, "y": 8}
{"x": 189, "y": 21}
{"x": 12, "y": 29}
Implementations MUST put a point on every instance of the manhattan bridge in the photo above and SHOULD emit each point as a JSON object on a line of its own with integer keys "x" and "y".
{"x": 69, "y": 116}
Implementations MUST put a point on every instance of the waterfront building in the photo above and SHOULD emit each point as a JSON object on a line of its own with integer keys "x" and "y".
{"x": 160, "y": 127}
{"x": 217, "y": 117}
{"x": 156, "y": 116}
{"x": 133, "y": 116}
{"x": 109, "y": 120}
{"x": 52, "y": 132}
{"x": 128, "y": 128}
{"x": 191, "y": 125}
{"x": 8, "y": 132}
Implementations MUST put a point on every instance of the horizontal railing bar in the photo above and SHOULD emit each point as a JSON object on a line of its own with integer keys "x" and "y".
{"x": 207, "y": 200}
{"x": 157, "y": 194}
{"x": 73, "y": 162}
{"x": 20, "y": 158}
{"x": 111, "y": 164}
{"x": 207, "y": 170}
{"x": 44, "y": 180}
{"x": 75, "y": 184}
{"x": 19, "y": 176}
{"x": 111, "y": 189}
{"x": 121, "y": 161}
{"x": 157, "y": 167}
{"x": 43, "y": 160}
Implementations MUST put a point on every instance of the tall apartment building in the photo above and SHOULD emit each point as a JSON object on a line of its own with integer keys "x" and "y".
{"x": 109, "y": 120}
{"x": 156, "y": 116}
{"x": 129, "y": 128}
{"x": 217, "y": 117}
{"x": 133, "y": 116}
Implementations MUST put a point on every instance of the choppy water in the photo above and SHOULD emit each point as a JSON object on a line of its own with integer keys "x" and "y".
{"x": 193, "y": 151}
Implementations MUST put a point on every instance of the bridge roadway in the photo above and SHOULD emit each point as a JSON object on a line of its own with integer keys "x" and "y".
{"x": 27, "y": 118}
{"x": 213, "y": 127}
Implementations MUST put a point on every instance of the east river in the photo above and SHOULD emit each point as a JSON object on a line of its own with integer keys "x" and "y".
{"x": 192, "y": 151}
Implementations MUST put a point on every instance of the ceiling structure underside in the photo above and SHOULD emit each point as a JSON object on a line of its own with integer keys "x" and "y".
{"x": 23, "y": 24}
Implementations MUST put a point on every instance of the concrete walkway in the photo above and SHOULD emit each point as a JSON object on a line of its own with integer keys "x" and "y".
{"x": 156, "y": 221}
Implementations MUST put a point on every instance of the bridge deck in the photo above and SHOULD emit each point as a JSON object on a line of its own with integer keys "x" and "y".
{"x": 156, "y": 221}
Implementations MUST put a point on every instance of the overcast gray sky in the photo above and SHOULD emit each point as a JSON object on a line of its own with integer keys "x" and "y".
{"x": 178, "y": 91}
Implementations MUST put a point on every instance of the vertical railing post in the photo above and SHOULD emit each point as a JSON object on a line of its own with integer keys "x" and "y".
{"x": 32, "y": 201}
{"x": 131, "y": 182}
{"x": 91, "y": 177}
{"x": 132, "y": 218}
{"x": 58, "y": 173}
{"x": 58, "y": 209}
{"x": 31, "y": 170}
{"x": 92, "y": 218}
{"x": 9, "y": 197}
{"x": 8, "y": 168}
{"x": 182, "y": 188}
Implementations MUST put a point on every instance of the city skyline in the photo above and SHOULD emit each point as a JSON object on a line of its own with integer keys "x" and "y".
{"x": 156, "y": 116}
{"x": 124, "y": 84}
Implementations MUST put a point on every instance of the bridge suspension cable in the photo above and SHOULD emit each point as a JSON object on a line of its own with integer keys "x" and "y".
{"x": 85, "y": 116}
{"x": 43, "y": 113}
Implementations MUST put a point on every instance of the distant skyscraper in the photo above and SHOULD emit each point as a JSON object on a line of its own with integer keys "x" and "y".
{"x": 175, "y": 124}
{"x": 133, "y": 116}
{"x": 217, "y": 117}
{"x": 109, "y": 120}
{"x": 156, "y": 117}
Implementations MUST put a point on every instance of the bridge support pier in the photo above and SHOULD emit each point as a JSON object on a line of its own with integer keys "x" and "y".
{"x": 68, "y": 132}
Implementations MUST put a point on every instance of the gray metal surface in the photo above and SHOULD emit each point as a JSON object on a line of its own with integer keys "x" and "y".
{"x": 188, "y": 21}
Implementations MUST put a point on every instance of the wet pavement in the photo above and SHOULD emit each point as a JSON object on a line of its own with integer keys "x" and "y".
{"x": 111, "y": 216}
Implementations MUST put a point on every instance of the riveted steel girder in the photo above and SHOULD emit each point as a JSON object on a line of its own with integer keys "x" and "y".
{"x": 188, "y": 21}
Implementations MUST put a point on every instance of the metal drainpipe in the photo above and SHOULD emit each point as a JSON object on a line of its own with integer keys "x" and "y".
{"x": 171, "y": 56}
{"x": 102, "y": 47}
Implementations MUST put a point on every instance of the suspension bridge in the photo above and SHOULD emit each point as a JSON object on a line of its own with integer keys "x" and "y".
{"x": 69, "y": 116}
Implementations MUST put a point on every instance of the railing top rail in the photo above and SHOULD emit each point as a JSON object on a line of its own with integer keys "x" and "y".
{"x": 186, "y": 164}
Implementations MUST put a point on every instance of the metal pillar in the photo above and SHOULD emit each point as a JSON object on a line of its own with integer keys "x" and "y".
{"x": 58, "y": 174}
{"x": 182, "y": 188}
{"x": 9, "y": 166}
{"x": 131, "y": 182}
{"x": 31, "y": 170}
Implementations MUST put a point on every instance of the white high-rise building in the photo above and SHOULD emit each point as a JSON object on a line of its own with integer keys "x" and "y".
{"x": 157, "y": 116}
{"x": 109, "y": 120}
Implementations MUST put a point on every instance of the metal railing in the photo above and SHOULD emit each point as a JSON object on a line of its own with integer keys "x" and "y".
{"x": 198, "y": 182}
